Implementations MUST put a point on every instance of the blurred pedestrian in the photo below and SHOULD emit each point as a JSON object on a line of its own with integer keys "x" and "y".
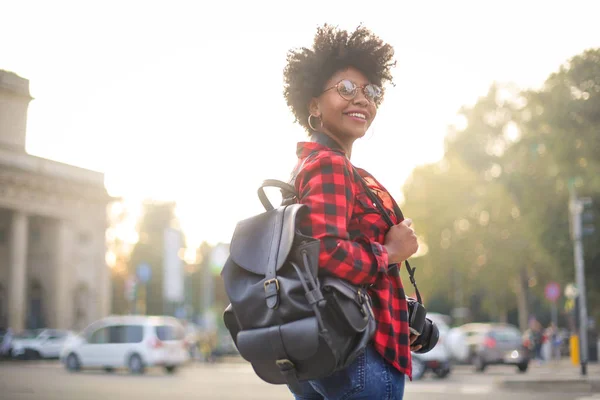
{"x": 548, "y": 343}
{"x": 6, "y": 344}
{"x": 556, "y": 343}
{"x": 537, "y": 339}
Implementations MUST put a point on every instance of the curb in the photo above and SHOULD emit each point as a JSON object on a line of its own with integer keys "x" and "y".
{"x": 231, "y": 360}
{"x": 580, "y": 385}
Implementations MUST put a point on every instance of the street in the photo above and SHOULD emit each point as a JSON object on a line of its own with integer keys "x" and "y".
{"x": 50, "y": 381}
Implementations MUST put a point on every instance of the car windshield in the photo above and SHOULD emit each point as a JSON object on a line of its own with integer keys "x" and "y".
{"x": 439, "y": 321}
{"x": 506, "y": 334}
{"x": 29, "y": 334}
{"x": 169, "y": 332}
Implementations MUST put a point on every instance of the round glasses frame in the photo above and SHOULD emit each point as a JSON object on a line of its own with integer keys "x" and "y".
{"x": 371, "y": 92}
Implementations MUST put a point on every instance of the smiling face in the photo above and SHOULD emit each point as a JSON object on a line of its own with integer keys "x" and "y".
{"x": 344, "y": 120}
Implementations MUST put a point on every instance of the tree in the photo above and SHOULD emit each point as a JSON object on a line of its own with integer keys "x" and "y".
{"x": 120, "y": 242}
{"x": 493, "y": 212}
{"x": 156, "y": 218}
{"x": 561, "y": 122}
{"x": 477, "y": 243}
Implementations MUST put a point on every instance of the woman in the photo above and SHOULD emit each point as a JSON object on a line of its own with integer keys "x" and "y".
{"x": 334, "y": 90}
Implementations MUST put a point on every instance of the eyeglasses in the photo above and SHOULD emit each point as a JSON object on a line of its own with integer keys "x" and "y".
{"x": 348, "y": 90}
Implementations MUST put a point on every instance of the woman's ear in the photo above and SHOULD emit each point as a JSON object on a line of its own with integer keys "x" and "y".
{"x": 313, "y": 107}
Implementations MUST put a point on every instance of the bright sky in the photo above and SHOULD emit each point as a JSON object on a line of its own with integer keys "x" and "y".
{"x": 183, "y": 100}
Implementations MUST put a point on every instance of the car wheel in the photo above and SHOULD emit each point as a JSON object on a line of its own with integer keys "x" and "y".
{"x": 73, "y": 363}
{"x": 31, "y": 354}
{"x": 471, "y": 358}
{"x": 523, "y": 367}
{"x": 418, "y": 369}
{"x": 441, "y": 373}
{"x": 135, "y": 364}
{"x": 479, "y": 364}
{"x": 171, "y": 369}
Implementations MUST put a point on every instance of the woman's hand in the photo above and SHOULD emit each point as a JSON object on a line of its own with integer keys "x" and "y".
{"x": 412, "y": 340}
{"x": 401, "y": 242}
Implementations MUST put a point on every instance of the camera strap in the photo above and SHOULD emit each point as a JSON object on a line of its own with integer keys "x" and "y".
{"x": 325, "y": 140}
{"x": 386, "y": 217}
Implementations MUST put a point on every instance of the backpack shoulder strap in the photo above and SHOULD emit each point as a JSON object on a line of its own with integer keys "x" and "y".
{"x": 288, "y": 189}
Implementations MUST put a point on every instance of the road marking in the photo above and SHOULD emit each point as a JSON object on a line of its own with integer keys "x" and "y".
{"x": 232, "y": 370}
{"x": 426, "y": 388}
{"x": 436, "y": 388}
{"x": 476, "y": 389}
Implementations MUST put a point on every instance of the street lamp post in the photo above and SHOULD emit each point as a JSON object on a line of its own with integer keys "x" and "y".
{"x": 576, "y": 206}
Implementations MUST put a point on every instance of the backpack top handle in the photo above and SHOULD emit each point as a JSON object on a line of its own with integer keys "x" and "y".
{"x": 287, "y": 190}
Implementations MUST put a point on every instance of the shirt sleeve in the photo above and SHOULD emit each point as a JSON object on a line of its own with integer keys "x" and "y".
{"x": 327, "y": 186}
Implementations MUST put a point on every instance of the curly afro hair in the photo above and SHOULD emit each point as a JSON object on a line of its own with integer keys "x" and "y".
{"x": 307, "y": 70}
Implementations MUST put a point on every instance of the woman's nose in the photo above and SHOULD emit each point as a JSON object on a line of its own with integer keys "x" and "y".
{"x": 360, "y": 99}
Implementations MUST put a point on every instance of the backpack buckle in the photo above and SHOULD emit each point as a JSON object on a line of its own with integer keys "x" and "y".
{"x": 360, "y": 296}
{"x": 288, "y": 370}
{"x": 272, "y": 293}
{"x": 271, "y": 281}
{"x": 284, "y": 364}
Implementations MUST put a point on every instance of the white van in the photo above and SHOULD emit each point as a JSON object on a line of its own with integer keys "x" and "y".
{"x": 132, "y": 341}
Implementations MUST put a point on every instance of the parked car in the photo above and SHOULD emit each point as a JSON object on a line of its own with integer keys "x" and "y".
{"x": 39, "y": 343}
{"x": 225, "y": 346}
{"x": 499, "y": 344}
{"x": 131, "y": 341}
{"x": 437, "y": 359}
{"x": 465, "y": 340}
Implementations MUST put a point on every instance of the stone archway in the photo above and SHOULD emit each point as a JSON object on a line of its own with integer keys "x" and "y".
{"x": 35, "y": 305}
{"x": 81, "y": 306}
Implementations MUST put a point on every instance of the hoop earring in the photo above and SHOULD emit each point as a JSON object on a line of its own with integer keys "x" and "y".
{"x": 310, "y": 123}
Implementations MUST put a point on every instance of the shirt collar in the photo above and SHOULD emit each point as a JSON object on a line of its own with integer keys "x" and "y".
{"x": 303, "y": 149}
{"x": 319, "y": 143}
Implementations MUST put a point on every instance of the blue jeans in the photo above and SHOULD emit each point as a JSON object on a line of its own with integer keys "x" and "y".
{"x": 368, "y": 377}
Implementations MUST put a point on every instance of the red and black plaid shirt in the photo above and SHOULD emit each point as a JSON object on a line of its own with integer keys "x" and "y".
{"x": 352, "y": 230}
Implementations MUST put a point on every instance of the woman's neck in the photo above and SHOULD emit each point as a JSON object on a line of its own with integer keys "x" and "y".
{"x": 331, "y": 141}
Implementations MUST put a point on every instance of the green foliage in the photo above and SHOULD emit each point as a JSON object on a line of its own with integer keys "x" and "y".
{"x": 157, "y": 216}
{"x": 493, "y": 212}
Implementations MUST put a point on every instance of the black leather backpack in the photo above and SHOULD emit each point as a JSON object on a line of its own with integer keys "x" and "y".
{"x": 287, "y": 320}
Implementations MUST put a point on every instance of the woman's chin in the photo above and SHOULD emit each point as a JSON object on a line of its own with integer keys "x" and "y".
{"x": 359, "y": 134}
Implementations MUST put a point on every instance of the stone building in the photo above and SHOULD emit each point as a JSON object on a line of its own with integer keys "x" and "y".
{"x": 53, "y": 220}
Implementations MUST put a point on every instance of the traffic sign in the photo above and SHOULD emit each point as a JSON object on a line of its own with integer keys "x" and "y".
{"x": 130, "y": 288}
{"x": 571, "y": 291}
{"x": 143, "y": 272}
{"x": 552, "y": 291}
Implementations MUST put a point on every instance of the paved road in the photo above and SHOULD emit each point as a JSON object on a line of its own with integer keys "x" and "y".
{"x": 49, "y": 381}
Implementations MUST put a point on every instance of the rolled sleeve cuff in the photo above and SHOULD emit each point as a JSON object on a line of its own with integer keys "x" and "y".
{"x": 381, "y": 255}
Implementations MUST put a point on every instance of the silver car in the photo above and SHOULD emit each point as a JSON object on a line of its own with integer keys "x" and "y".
{"x": 500, "y": 344}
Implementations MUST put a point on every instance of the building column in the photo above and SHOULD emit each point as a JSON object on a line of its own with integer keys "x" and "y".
{"x": 63, "y": 290}
{"x": 104, "y": 291}
{"x": 18, "y": 271}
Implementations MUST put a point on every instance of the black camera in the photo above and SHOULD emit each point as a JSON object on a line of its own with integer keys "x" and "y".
{"x": 426, "y": 330}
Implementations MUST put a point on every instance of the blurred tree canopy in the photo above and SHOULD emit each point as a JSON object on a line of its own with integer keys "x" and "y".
{"x": 493, "y": 213}
{"x": 156, "y": 218}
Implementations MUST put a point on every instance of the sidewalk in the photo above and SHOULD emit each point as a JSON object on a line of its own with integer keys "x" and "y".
{"x": 554, "y": 375}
